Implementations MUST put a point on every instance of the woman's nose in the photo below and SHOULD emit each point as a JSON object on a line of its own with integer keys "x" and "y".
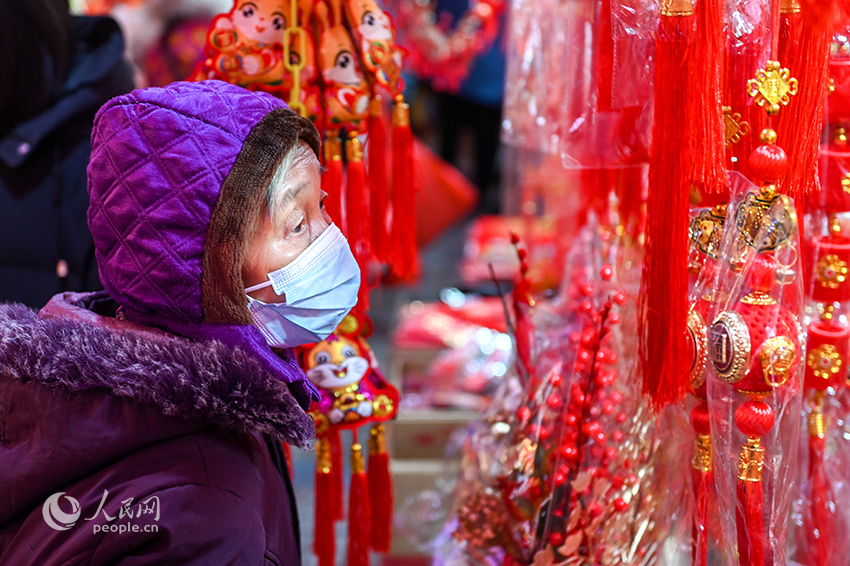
{"x": 318, "y": 226}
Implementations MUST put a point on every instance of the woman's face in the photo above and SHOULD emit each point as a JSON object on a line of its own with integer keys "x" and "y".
{"x": 298, "y": 219}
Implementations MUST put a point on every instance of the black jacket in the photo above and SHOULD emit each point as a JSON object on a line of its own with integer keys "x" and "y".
{"x": 43, "y": 197}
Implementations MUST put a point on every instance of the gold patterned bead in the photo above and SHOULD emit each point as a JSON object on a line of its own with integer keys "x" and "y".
{"x": 751, "y": 460}
{"x": 702, "y": 453}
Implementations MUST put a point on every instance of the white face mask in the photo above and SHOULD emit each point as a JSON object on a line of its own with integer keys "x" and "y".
{"x": 320, "y": 287}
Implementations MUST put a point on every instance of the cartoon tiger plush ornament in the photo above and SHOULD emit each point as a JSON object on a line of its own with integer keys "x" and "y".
{"x": 344, "y": 370}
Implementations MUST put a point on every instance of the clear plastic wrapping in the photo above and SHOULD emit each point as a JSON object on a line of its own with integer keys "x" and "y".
{"x": 569, "y": 466}
{"x": 579, "y": 80}
{"x": 756, "y": 347}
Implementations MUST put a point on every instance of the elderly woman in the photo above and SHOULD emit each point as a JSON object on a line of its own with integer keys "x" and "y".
{"x": 142, "y": 425}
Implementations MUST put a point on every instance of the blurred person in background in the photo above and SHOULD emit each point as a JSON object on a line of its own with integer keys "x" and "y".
{"x": 57, "y": 70}
{"x": 164, "y": 38}
{"x": 476, "y": 106}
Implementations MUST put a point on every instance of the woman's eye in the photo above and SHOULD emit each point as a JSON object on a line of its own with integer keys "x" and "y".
{"x": 277, "y": 23}
{"x": 299, "y": 228}
{"x": 248, "y": 11}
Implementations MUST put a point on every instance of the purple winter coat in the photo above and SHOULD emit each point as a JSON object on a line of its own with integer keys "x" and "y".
{"x": 142, "y": 425}
{"x": 92, "y": 406}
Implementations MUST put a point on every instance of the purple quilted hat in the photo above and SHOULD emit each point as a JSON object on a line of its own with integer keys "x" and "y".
{"x": 177, "y": 179}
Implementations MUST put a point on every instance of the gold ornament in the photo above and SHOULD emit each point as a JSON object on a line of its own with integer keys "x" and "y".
{"x": 789, "y": 7}
{"x": 778, "y": 355}
{"x": 698, "y": 331}
{"x": 817, "y": 425}
{"x": 736, "y": 127}
{"x": 673, "y": 8}
{"x": 825, "y": 361}
{"x": 702, "y": 453}
{"x": 845, "y": 183}
{"x": 752, "y": 216}
{"x": 831, "y": 271}
{"x": 751, "y": 460}
{"x": 729, "y": 349}
{"x": 772, "y": 86}
{"x": 758, "y": 298}
{"x": 706, "y": 229}
{"x": 349, "y": 325}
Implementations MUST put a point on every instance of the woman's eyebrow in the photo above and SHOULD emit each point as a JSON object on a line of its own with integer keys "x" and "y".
{"x": 290, "y": 195}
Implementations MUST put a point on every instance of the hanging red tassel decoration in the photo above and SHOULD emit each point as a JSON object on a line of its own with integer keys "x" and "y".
{"x": 804, "y": 50}
{"x": 664, "y": 285}
{"x": 605, "y": 57}
{"x": 380, "y": 490}
{"x": 357, "y": 214}
{"x": 323, "y": 541}
{"x": 708, "y": 170}
{"x": 743, "y": 59}
{"x": 358, "y": 509}
{"x": 703, "y": 480}
{"x": 828, "y": 348}
{"x": 405, "y": 261}
{"x": 379, "y": 195}
{"x": 338, "y": 484}
{"x": 754, "y": 419}
{"x": 819, "y": 519}
{"x": 332, "y": 178}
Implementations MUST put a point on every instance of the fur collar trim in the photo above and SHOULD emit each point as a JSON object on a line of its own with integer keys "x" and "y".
{"x": 205, "y": 381}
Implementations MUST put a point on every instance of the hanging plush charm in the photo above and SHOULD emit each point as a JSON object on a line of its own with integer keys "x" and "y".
{"x": 381, "y": 56}
{"x": 245, "y": 46}
{"x": 354, "y": 393}
{"x": 346, "y": 92}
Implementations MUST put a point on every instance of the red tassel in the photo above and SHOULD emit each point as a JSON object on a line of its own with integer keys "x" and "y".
{"x": 332, "y": 179}
{"x": 708, "y": 170}
{"x": 703, "y": 480}
{"x": 750, "y": 523}
{"x": 702, "y": 490}
{"x": 358, "y": 510}
{"x": 405, "y": 261}
{"x": 380, "y": 491}
{"x": 804, "y": 50}
{"x": 323, "y": 540}
{"x": 749, "y": 512}
{"x": 357, "y": 215}
{"x": 742, "y": 61}
{"x": 664, "y": 286}
{"x": 379, "y": 195}
{"x": 338, "y": 487}
{"x": 819, "y": 520}
{"x": 605, "y": 57}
